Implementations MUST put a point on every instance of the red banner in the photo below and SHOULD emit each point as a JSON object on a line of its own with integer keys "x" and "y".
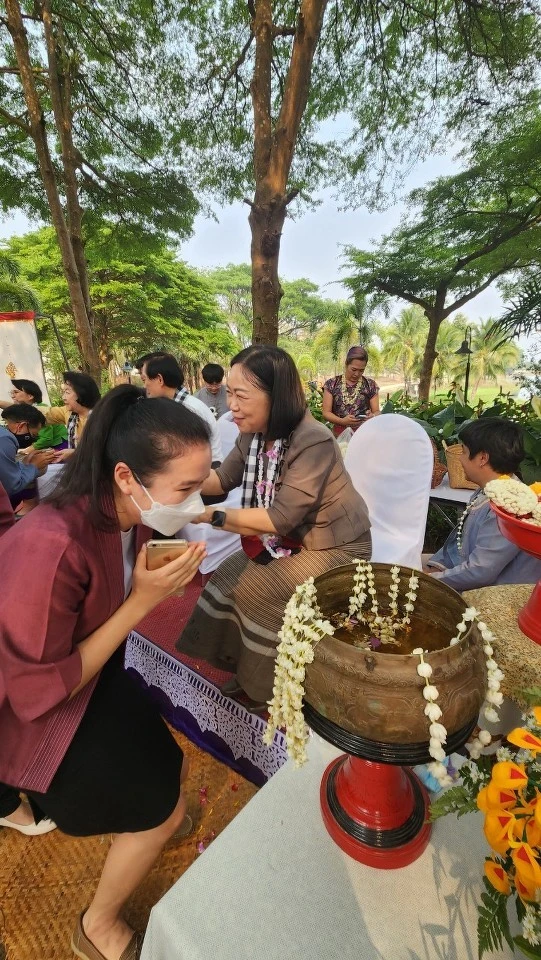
{"x": 24, "y": 315}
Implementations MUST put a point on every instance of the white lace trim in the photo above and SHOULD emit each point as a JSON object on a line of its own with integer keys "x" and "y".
{"x": 240, "y": 730}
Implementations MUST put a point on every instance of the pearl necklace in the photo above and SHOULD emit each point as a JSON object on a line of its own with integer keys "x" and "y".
{"x": 462, "y": 521}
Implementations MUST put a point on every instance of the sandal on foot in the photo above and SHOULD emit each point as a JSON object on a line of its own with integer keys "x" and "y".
{"x": 85, "y": 949}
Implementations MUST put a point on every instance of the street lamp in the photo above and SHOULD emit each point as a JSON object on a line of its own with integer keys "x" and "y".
{"x": 465, "y": 350}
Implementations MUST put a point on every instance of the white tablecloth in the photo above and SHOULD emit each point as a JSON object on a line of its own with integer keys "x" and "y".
{"x": 444, "y": 492}
{"x": 274, "y": 886}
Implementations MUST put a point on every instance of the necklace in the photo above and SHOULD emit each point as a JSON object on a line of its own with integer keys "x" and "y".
{"x": 462, "y": 520}
{"x": 350, "y": 395}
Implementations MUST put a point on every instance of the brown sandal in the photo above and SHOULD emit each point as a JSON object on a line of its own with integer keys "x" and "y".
{"x": 85, "y": 949}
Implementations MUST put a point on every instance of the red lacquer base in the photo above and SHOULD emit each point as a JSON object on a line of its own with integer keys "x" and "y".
{"x": 529, "y": 618}
{"x": 376, "y": 812}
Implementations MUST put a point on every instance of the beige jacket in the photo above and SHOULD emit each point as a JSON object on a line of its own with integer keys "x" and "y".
{"x": 62, "y": 415}
{"x": 315, "y": 500}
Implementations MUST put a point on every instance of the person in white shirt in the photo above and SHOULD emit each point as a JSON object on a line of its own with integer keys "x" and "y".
{"x": 162, "y": 377}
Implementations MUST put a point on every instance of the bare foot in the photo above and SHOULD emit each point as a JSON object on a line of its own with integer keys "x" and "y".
{"x": 23, "y": 814}
{"x": 111, "y": 939}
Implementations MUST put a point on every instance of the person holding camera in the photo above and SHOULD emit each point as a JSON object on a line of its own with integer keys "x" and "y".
{"x": 79, "y": 736}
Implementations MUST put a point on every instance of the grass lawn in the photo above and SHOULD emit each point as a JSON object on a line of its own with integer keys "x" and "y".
{"x": 486, "y": 394}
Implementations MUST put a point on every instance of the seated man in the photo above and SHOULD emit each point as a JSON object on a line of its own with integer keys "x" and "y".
{"x": 476, "y": 554}
{"x": 214, "y": 393}
{"x": 23, "y": 422}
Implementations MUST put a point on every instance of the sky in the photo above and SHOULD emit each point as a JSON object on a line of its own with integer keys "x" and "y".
{"x": 311, "y": 244}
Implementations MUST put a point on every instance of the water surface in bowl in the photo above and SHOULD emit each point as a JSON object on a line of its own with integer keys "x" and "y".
{"x": 419, "y": 633}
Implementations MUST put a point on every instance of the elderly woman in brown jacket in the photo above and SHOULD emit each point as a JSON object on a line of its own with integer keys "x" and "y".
{"x": 300, "y": 516}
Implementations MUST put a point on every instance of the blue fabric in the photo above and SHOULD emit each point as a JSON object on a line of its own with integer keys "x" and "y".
{"x": 486, "y": 558}
{"x": 14, "y": 476}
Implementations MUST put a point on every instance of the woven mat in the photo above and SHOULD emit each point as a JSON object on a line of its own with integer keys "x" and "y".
{"x": 46, "y": 881}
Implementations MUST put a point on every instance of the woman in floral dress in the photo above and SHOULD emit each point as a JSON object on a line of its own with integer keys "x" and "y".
{"x": 352, "y": 398}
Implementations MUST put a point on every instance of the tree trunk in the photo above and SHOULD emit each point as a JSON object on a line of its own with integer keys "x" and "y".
{"x": 266, "y": 222}
{"x": 435, "y": 316}
{"x": 274, "y": 147}
{"x": 39, "y": 136}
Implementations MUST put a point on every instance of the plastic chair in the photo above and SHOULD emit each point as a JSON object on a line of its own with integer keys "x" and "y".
{"x": 390, "y": 462}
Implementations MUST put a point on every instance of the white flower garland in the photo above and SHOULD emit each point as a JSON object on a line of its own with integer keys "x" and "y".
{"x": 303, "y": 626}
{"x": 512, "y": 495}
{"x": 493, "y": 699}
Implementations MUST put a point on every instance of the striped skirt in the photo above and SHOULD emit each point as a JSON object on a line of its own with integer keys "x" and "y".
{"x": 239, "y": 613}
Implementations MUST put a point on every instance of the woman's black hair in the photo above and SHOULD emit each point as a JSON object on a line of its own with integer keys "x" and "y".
{"x": 274, "y": 371}
{"x": 31, "y": 387}
{"x": 85, "y": 387}
{"x": 126, "y": 427}
{"x": 164, "y": 364}
{"x": 501, "y": 439}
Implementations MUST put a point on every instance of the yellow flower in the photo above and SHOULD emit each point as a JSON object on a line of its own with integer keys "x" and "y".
{"x": 501, "y": 829}
{"x": 533, "y": 832}
{"x": 493, "y": 797}
{"x": 537, "y": 714}
{"x": 525, "y": 739}
{"x": 508, "y": 774}
{"x": 536, "y": 487}
{"x": 526, "y": 892}
{"x": 527, "y": 867}
{"x": 497, "y": 876}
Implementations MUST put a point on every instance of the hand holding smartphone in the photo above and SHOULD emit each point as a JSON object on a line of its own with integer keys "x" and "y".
{"x": 161, "y": 552}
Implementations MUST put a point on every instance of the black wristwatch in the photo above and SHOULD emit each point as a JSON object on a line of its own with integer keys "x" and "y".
{"x": 218, "y": 518}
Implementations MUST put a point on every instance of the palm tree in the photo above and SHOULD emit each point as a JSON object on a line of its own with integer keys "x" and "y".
{"x": 14, "y": 295}
{"x": 404, "y": 341}
{"x": 350, "y": 323}
{"x": 491, "y": 358}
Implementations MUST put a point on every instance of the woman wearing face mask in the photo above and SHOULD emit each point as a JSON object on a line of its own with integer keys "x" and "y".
{"x": 78, "y": 735}
{"x": 300, "y": 517}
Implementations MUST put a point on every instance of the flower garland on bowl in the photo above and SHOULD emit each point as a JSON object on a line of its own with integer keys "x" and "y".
{"x": 507, "y": 789}
{"x": 516, "y": 498}
{"x": 493, "y": 699}
{"x": 303, "y": 626}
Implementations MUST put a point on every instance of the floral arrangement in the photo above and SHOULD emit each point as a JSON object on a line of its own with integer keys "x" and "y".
{"x": 304, "y": 626}
{"x": 507, "y": 789}
{"x": 516, "y": 498}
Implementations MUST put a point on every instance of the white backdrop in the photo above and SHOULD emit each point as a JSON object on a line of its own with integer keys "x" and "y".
{"x": 20, "y": 355}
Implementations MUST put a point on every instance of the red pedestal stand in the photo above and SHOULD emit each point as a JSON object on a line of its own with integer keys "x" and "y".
{"x": 376, "y": 812}
{"x": 528, "y": 538}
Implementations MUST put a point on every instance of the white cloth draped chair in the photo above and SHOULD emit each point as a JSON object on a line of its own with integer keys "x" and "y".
{"x": 390, "y": 462}
{"x": 220, "y": 543}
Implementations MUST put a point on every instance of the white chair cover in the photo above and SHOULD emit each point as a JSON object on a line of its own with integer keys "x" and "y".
{"x": 390, "y": 462}
{"x": 49, "y": 480}
{"x": 228, "y": 432}
{"x": 220, "y": 543}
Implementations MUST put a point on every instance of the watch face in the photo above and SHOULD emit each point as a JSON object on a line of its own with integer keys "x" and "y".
{"x": 218, "y": 518}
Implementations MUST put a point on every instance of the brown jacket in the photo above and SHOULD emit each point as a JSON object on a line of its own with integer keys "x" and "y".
{"x": 315, "y": 500}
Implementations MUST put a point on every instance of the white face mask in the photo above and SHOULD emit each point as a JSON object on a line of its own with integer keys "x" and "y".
{"x": 169, "y": 518}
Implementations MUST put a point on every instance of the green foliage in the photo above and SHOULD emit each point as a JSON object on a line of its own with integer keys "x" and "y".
{"x": 493, "y": 922}
{"x": 14, "y": 293}
{"x": 143, "y": 297}
{"x": 533, "y": 953}
{"x": 443, "y": 419}
{"x": 457, "y": 800}
{"x": 126, "y": 167}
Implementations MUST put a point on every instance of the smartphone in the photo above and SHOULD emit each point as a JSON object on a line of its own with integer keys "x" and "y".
{"x": 160, "y": 552}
